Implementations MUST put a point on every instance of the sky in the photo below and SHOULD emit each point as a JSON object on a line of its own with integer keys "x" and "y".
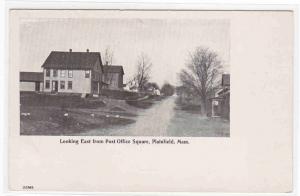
{"x": 166, "y": 41}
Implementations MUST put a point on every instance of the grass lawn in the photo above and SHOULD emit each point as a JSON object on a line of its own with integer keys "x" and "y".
{"x": 58, "y": 100}
{"x": 188, "y": 122}
{"x": 63, "y": 115}
{"x": 193, "y": 125}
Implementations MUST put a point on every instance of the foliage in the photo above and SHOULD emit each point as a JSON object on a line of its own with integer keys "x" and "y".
{"x": 167, "y": 89}
{"x": 153, "y": 85}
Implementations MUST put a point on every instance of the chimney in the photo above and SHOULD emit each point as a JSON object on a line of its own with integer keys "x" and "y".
{"x": 70, "y": 50}
{"x": 87, "y": 50}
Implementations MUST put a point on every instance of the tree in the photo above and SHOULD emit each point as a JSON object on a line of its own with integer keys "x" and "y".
{"x": 152, "y": 85}
{"x": 143, "y": 68}
{"x": 184, "y": 94}
{"x": 201, "y": 74}
{"x": 167, "y": 89}
{"x": 108, "y": 56}
{"x": 108, "y": 60}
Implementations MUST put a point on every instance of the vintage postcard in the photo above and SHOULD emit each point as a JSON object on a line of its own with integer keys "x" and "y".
{"x": 164, "y": 100}
{"x": 100, "y": 87}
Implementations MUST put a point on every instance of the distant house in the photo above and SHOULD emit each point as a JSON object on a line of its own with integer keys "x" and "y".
{"x": 31, "y": 81}
{"x": 113, "y": 77}
{"x": 131, "y": 86}
{"x": 73, "y": 72}
{"x": 152, "y": 88}
{"x": 220, "y": 104}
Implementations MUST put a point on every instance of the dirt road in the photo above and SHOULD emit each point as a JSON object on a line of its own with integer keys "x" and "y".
{"x": 150, "y": 122}
{"x": 162, "y": 119}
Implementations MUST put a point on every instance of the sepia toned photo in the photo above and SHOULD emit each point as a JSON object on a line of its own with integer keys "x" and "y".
{"x": 125, "y": 77}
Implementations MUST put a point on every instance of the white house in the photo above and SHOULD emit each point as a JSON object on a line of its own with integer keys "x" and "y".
{"x": 73, "y": 72}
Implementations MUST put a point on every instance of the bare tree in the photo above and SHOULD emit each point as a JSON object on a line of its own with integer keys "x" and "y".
{"x": 131, "y": 84}
{"x": 142, "y": 71}
{"x": 202, "y": 74}
{"x": 108, "y": 56}
{"x": 108, "y": 60}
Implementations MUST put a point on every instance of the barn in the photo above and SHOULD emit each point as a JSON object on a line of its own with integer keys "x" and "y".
{"x": 31, "y": 81}
{"x": 113, "y": 77}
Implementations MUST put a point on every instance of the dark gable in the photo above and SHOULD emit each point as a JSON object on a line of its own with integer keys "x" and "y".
{"x": 72, "y": 60}
{"x": 113, "y": 69}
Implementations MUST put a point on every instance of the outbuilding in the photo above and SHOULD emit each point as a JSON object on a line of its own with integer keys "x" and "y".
{"x": 113, "y": 77}
{"x": 31, "y": 81}
{"x": 220, "y": 104}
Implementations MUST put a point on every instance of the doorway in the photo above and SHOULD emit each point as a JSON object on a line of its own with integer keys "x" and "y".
{"x": 54, "y": 86}
{"x": 37, "y": 86}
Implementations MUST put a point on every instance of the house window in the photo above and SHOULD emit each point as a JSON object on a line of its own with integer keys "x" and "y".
{"x": 69, "y": 84}
{"x": 87, "y": 73}
{"x": 47, "y": 84}
{"x": 62, "y": 84}
{"x": 70, "y": 73}
{"x": 54, "y": 72}
{"x": 47, "y": 72}
{"x": 62, "y": 73}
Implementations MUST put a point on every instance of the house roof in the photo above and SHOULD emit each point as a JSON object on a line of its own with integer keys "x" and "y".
{"x": 225, "y": 79}
{"x": 113, "y": 69}
{"x": 32, "y": 76}
{"x": 72, "y": 60}
{"x": 216, "y": 98}
{"x": 224, "y": 91}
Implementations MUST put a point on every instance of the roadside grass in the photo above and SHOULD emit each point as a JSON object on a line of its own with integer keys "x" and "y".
{"x": 65, "y": 114}
{"x": 69, "y": 114}
{"x": 54, "y": 121}
{"x": 186, "y": 124}
{"x": 62, "y": 101}
{"x": 140, "y": 104}
{"x": 145, "y": 103}
{"x": 118, "y": 109}
{"x": 121, "y": 94}
{"x": 191, "y": 108}
{"x": 189, "y": 122}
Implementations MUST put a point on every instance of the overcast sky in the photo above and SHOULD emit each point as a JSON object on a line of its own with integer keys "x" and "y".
{"x": 166, "y": 41}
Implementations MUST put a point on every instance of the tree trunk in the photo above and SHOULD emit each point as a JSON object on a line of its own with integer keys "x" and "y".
{"x": 204, "y": 107}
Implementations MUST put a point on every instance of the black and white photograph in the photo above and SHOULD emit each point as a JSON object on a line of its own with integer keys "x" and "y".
{"x": 176, "y": 98}
{"x": 125, "y": 77}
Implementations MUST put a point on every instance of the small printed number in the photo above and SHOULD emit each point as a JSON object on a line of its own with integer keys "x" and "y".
{"x": 27, "y": 187}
